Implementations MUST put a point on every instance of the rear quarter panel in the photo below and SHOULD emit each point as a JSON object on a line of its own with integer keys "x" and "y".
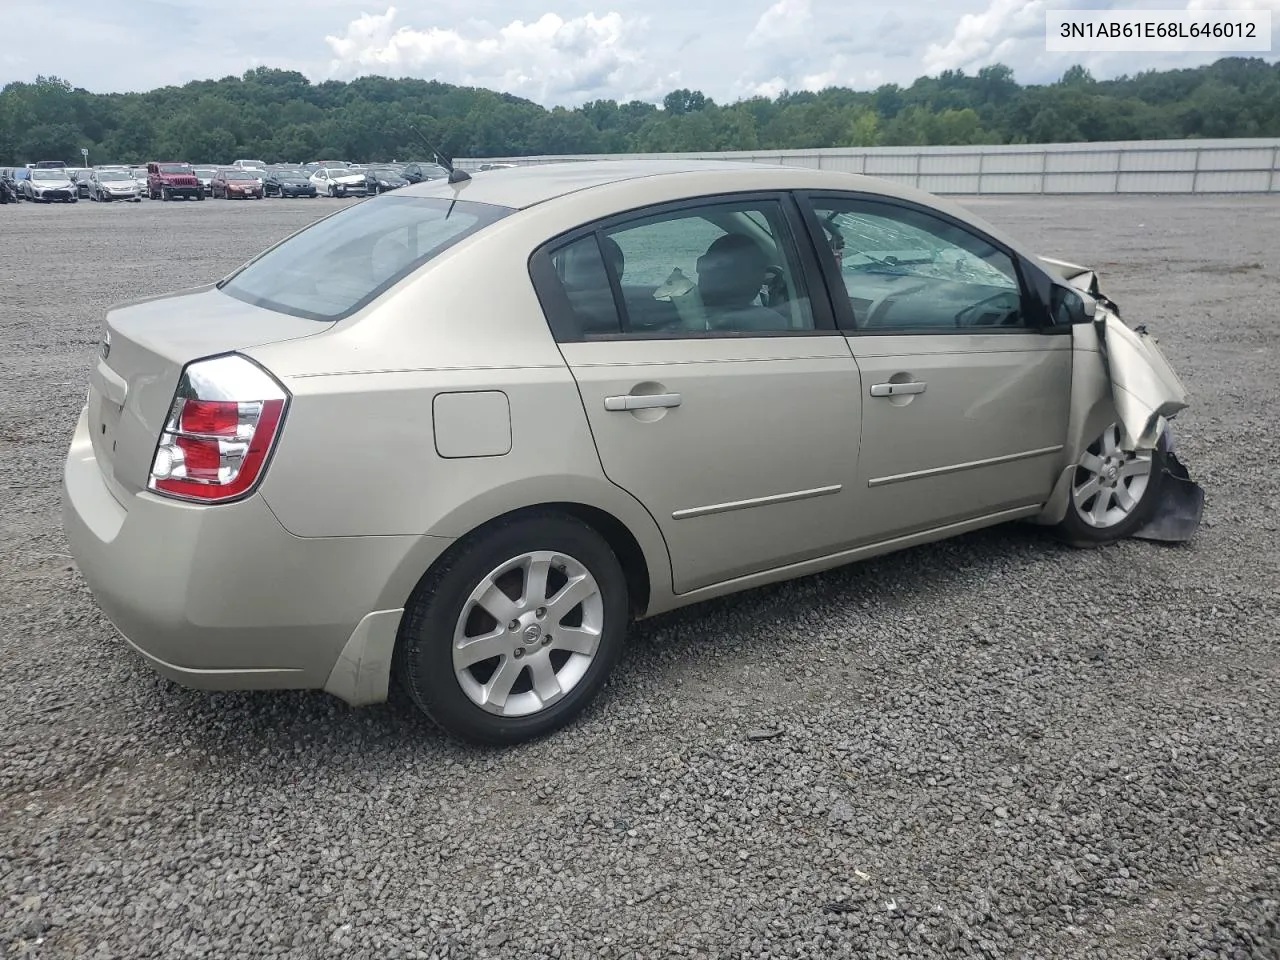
{"x": 358, "y": 454}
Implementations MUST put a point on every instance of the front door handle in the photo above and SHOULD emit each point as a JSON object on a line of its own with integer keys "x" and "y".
{"x": 642, "y": 401}
{"x": 897, "y": 389}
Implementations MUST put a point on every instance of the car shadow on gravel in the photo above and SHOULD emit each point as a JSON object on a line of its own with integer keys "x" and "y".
{"x": 662, "y": 652}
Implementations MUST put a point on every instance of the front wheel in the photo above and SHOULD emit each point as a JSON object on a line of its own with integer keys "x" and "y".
{"x": 516, "y": 631}
{"x": 1113, "y": 491}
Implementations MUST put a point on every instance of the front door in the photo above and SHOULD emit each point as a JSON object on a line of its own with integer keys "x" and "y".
{"x": 964, "y": 399}
{"x": 719, "y": 395}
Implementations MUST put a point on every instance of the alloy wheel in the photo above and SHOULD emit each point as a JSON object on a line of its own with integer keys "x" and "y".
{"x": 1109, "y": 482}
{"x": 528, "y": 633}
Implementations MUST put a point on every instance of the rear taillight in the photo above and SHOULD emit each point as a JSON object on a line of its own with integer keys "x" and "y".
{"x": 223, "y": 423}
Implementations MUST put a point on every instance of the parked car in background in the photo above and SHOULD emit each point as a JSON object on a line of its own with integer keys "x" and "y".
{"x": 288, "y": 183}
{"x": 80, "y": 177}
{"x": 497, "y": 166}
{"x": 382, "y": 179}
{"x": 9, "y": 183}
{"x": 106, "y": 185}
{"x": 171, "y": 179}
{"x": 236, "y": 184}
{"x": 417, "y": 171}
{"x": 49, "y": 184}
{"x": 205, "y": 175}
{"x": 139, "y": 175}
{"x": 249, "y": 165}
{"x": 17, "y": 180}
{"x": 48, "y": 165}
{"x": 340, "y": 182}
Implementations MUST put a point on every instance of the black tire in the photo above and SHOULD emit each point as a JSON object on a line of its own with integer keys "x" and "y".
{"x": 424, "y": 649}
{"x": 1076, "y": 532}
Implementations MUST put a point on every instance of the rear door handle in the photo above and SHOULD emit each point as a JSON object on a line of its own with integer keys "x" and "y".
{"x": 897, "y": 389}
{"x": 642, "y": 401}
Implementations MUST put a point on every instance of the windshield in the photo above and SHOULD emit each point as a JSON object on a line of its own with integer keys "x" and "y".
{"x": 239, "y": 176}
{"x": 343, "y": 262}
{"x": 385, "y": 173}
{"x": 108, "y": 175}
{"x": 206, "y": 172}
{"x": 174, "y": 168}
{"x": 48, "y": 175}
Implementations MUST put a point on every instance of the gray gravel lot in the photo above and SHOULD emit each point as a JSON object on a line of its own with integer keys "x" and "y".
{"x": 992, "y": 747}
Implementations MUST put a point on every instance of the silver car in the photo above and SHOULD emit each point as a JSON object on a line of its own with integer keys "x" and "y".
{"x": 46, "y": 186}
{"x": 205, "y": 175}
{"x": 463, "y": 433}
{"x": 105, "y": 185}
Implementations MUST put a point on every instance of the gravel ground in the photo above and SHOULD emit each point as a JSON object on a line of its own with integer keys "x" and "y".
{"x": 991, "y": 747}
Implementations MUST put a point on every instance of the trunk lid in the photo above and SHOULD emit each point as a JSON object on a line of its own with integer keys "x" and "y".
{"x": 146, "y": 346}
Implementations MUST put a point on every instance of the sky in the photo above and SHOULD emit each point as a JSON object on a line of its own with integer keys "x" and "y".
{"x": 565, "y": 52}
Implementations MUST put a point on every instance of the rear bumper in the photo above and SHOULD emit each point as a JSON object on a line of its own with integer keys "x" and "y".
{"x": 224, "y": 598}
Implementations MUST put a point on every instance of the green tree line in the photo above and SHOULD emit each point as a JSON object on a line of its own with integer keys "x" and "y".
{"x": 278, "y": 115}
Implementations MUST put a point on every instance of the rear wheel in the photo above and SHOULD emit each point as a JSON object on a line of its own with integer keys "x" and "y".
{"x": 516, "y": 631}
{"x": 1113, "y": 491}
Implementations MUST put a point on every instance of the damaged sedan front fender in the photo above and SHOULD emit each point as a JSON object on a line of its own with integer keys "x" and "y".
{"x": 1145, "y": 395}
{"x": 1144, "y": 388}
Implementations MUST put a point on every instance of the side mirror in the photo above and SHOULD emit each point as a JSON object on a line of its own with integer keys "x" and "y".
{"x": 1068, "y": 307}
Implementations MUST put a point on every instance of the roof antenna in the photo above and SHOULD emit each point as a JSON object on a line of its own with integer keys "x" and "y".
{"x": 455, "y": 176}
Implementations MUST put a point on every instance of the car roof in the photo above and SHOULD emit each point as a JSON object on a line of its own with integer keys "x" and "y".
{"x": 527, "y": 186}
{"x": 524, "y": 186}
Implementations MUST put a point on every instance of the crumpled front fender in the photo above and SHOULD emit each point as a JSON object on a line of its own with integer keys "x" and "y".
{"x": 1144, "y": 388}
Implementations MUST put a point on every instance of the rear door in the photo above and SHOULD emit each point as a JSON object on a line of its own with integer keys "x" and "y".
{"x": 966, "y": 389}
{"x": 717, "y": 388}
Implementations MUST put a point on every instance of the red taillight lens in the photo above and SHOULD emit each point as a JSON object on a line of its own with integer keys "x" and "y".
{"x": 221, "y": 428}
{"x": 213, "y": 417}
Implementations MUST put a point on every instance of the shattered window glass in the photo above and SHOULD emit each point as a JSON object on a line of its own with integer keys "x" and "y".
{"x": 906, "y": 270}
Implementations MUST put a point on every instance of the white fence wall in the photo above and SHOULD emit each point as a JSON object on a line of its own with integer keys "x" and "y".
{"x": 1131, "y": 166}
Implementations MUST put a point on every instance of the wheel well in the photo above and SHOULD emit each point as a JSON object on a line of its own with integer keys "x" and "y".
{"x": 621, "y": 541}
{"x": 624, "y": 546}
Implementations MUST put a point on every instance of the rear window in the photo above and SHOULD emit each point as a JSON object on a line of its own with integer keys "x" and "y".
{"x": 343, "y": 262}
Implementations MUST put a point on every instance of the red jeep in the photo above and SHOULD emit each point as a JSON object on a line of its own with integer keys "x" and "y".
{"x": 167, "y": 180}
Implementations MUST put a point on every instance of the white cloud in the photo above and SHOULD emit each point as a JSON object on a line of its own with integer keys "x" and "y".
{"x": 786, "y": 18}
{"x": 1235, "y": 5}
{"x": 551, "y": 59}
{"x": 982, "y": 38}
{"x": 1012, "y": 32}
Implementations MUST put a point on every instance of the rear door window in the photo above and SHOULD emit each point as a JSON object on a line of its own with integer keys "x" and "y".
{"x": 719, "y": 268}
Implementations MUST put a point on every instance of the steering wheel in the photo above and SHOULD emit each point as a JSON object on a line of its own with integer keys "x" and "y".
{"x": 776, "y": 290}
{"x": 1004, "y": 315}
